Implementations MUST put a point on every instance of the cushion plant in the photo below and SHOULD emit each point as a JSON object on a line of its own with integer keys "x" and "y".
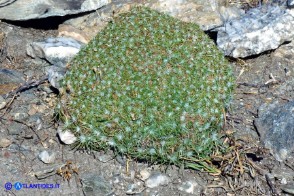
{"x": 151, "y": 87}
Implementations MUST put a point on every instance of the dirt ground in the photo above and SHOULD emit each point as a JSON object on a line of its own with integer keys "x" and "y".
{"x": 248, "y": 170}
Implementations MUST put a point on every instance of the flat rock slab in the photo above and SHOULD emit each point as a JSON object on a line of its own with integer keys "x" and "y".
{"x": 9, "y": 80}
{"x": 259, "y": 30}
{"x": 34, "y": 9}
{"x": 276, "y": 128}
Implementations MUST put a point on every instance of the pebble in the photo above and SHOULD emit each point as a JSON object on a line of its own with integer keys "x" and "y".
{"x": 94, "y": 184}
{"x": 66, "y": 136}
{"x": 47, "y": 171}
{"x": 189, "y": 187}
{"x": 4, "y": 142}
{"x": 144, "y": 174}
{"x": 157, "y": 179}
{"x": 134, "y": 189}
{"x": 47, "y": 157}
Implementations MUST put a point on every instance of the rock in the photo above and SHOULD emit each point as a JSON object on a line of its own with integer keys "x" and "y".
{"x": 253, "y": 33}
{"x": 5, "y": 142}
{"x": 15, "y": 128}
{"x": 58, "y": 51}
{"x": 19, "y": 113}
{"x": 6, "y": 2}
{"x": 66, "y": 136}
{"x": 157, "y": 179}
{"x": 144, "y": 174}
{"x": 290, "y": 4}
{"x": 10, "y": 76}
{"x": 2, "y": 102}
{"x": 47, "y": 171}
{"x": 288, "y": 188}
{"x": 3, "y": 51}
{"x": 134, "y": 189}
{"x": 95, "y": 185}
{"x": 286, "y": 90}
{"x": 275, "y": 126}
{"x": 70, "y": 31}
{"x": 47, "y": 157}
{"x": 204, "y": 13}
{"x": 55, "y": 74}
{"x": 190, "y": 187}
{"x": 34, "y": 9}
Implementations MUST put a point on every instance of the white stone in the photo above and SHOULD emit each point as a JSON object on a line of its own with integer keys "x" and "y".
{"x": 156, "y": 180}
{"x": 66, "y": 136}
{"x": 47, "y": 157}
{"x": 58, "y": 51}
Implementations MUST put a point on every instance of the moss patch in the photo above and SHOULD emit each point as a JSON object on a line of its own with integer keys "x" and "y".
{"x": 151, "y": 87}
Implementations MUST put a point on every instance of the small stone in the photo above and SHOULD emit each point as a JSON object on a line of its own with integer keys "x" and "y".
{"x": 58, "y": 51}
{"x": 134, "y": 189}
{"x": 20, "y": 115}
{"x": 284, "y": 181}
{"x": 144, "y": 174}
{"x": 4, "y": 142}
{"x": 15, "y": 129}
{"x": 47, "y": 157}
{"x": 2, "y": 102}
{"x": 157, "y": 179}
{"x": 55, "y": 74}
{"x": 95, "y": 185}
{"x": 46, "y": 171}
{"x": 189, "y": 187}
{"x": 66, "y": 136}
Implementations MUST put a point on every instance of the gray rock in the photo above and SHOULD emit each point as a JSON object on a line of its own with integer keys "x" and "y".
{"x": 275, "y": 126}
{"x": 10, "y": 76}
{"x": 290, "y": 3}
{"x": 157, "y": 179}
{"x": 95, "y": 185}
{"x": 260, "y": 29}
{"x": 58, "y": 51}
{"x": 207, "y": 14}
{"x": 16, "y": 129}
{"x": 190, "y": 187}
{"x": 55, "y": 74}
{"x": 19, "y": 113}
{"x": 33, "y": 9}
{"x": 47, "y": 157}
{"x": 6, "y": 2}
{"x": 47, "y": 171}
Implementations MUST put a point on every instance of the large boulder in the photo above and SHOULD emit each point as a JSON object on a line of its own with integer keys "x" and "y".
{"x": 35, "y": 9}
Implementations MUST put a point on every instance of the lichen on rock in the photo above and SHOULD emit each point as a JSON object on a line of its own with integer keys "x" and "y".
{"x": 149, "y": 86}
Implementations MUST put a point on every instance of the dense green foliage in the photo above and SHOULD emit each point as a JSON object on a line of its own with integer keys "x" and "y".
{"x": 149, "y": 86}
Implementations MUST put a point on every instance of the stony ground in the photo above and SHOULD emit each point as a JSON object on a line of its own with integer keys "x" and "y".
{"x": 27, "y": 128}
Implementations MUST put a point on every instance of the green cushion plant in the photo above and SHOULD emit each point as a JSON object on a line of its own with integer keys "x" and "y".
{"x": 151, "y": 87}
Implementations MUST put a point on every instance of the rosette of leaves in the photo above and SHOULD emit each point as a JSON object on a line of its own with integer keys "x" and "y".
{"x": 151, "y": 87}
